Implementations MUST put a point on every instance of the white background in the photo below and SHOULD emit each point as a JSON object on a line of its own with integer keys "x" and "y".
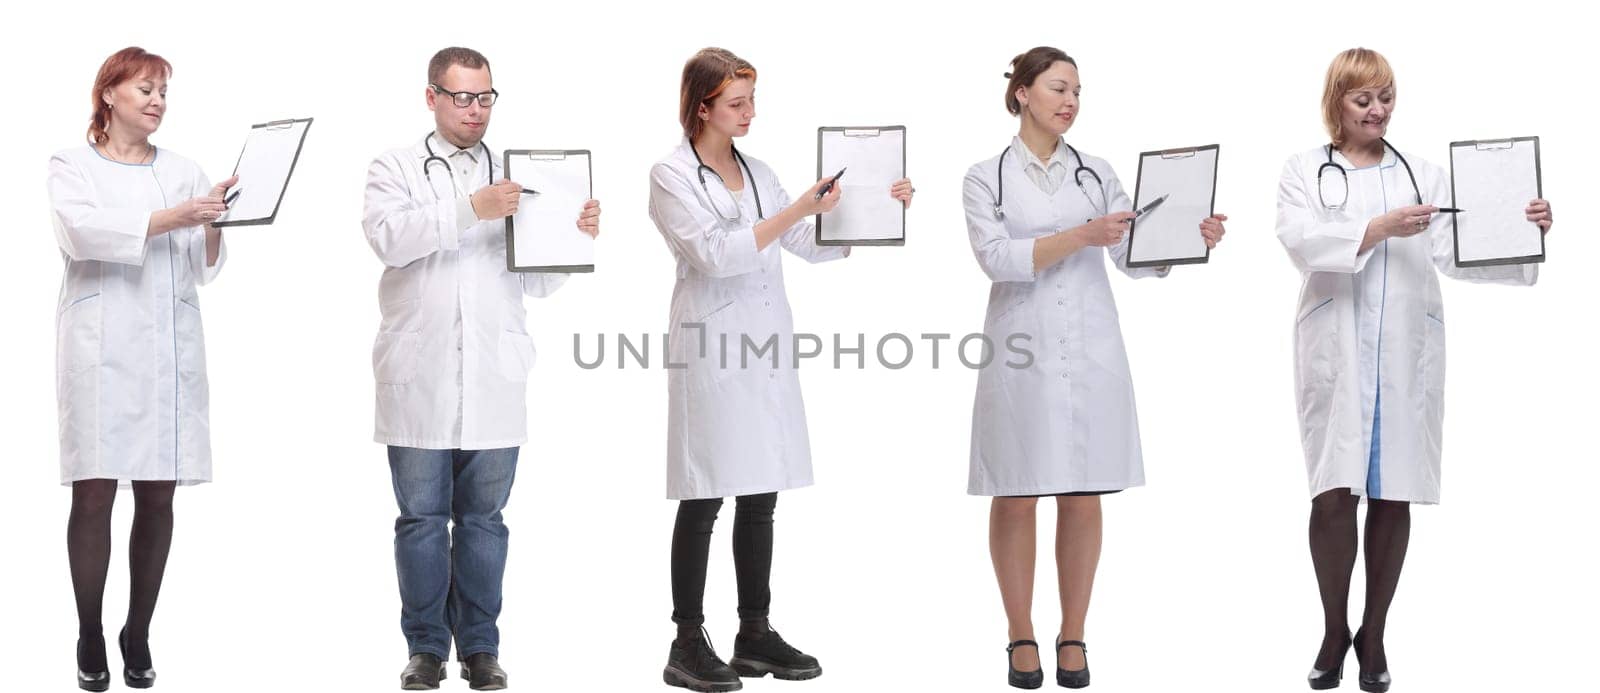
{"x": 284, "y": 565}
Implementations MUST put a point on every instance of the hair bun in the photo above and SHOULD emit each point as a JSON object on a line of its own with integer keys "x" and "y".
{"x": 1008, "y": 75}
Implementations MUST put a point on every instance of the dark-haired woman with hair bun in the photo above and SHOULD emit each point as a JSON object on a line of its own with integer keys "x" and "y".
{"x": 1042, "y": 217}
{"x": 735, "y": 426}
{"x": 133, "y": 225}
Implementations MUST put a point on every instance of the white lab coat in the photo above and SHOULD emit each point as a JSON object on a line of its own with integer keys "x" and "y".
{"x": 1369, "y": 330}
{"x": 731, "y": 430}
{"x": 452, "y": 355}
{"x": 130, "y": 354}
{"x": 1066, "y": 422}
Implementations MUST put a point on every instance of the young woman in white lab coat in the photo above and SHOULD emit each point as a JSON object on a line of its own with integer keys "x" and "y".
{"x": 1064, "y": 424}
{"x": 733, "y": 429}
{"x": 132, "y": 225}
{"x": 1369, "y": 345}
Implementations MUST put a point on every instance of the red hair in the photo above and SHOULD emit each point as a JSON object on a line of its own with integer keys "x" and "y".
{"x": 705, "y": 76}
{"x": 129, "y": 63}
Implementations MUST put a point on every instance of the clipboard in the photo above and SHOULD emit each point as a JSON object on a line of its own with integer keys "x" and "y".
{"x": 264, "y": 167}
{"x": 549, "y": 239}
{"x": 876, "y": 157}
{"x": 1169, "y": 234}
{"x": 1493, "y": 180}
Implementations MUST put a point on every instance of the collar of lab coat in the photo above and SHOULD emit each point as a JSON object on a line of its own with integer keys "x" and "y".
{"x": 1388, "y": 160}
{"x": 443, "y": 148}
{"x": 1026, "y": 157}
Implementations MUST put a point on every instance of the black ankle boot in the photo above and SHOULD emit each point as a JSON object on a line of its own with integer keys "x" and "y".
{"x": 757, "y": 654}
{"x": 693, "y": 664}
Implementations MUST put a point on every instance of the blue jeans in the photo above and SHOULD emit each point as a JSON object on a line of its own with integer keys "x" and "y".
{"x": 450, "y": 578}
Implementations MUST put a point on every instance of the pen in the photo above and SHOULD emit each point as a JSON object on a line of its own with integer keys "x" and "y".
{"x": 233, "y": 196}
{"x": 829, "y": 185}
{"x": 529, "y": 191}
{"x": 1450, "y": 210}
{"x": 1153, "y": 204}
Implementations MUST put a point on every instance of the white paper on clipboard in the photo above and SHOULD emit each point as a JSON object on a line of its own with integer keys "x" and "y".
{"x": 1170, "y": 233}
{"x": 875, "y": 158}
{"x": 543, "y": 235}
{"x": 1491, "y": 182}
{"x": 264, "y": 168}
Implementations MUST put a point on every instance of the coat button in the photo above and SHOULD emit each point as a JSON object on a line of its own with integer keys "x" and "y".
{"x": 767, "y": 303}
{"x": 1061, "y": 303}
{"x": 763, "y": 286}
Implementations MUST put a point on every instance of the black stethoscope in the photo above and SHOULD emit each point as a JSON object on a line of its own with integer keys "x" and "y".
{"x": 432, "y": 158}
{"x": 1345, "y": 177}
{"x": 1077, "y": 177}
{"x": 749, "y": 181}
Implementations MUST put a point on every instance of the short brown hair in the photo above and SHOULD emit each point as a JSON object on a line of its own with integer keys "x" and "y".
{"x": 704, "y": 77}
{"x": 454, "y": 55}
{"x": 1357, "y": 68}
{"x": 1026, "y": 68}
{"x": 129, "y": 63}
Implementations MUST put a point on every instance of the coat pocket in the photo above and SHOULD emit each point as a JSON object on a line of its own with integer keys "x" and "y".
{"x": 516, "y": 355}
{"x": 1430, "y": 366}
{"x": 1317, "y": 344}
{"x": 78, "y": 334}
{"x": 395, "y": 357}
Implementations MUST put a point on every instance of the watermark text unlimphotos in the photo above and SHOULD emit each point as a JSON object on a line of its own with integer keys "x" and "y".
{"x": 894, "y": 351}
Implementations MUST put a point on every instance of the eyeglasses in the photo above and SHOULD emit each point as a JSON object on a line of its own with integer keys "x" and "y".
{"x": 463, "y": 99}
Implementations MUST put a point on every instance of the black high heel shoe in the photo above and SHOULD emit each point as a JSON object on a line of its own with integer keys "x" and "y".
{"x": 93, "y": 680}
{"x": 1325, "y": 679}
{"x": 1076, "y": 678}
{"x": 135, "y": 678}
{"x": 1023, "y": 679}
{"x": 1377, "y": 682}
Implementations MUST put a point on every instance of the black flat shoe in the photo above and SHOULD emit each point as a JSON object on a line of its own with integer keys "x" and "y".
{"x": 1077, "y": 678}
{"x": 1325, "y": 679}
{"x": 1375, "y": 682}
{"x": 140, "y": 674}
{"x": 757, "y": 655}
{"x": 483, "y": 673}
{"x": 422, "y": 673}
{"x": 1023, "y": 679}
{"x": 93, "y": 650}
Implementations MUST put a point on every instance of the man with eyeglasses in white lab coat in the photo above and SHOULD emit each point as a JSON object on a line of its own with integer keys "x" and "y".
{"x": 451, "y": 363}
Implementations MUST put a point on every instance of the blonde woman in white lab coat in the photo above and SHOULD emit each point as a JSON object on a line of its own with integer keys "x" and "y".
{"x": 1369, "y": 345}
{"x": 1062, "y": 423}
{"x": 732, "y": 430}
{"x": 132, "y": 225}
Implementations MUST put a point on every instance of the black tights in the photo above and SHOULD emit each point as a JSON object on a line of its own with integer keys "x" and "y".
{"x": 752, "y": 559}
{"x": 1333, "y": 554}
{"x": 89, "y": 554}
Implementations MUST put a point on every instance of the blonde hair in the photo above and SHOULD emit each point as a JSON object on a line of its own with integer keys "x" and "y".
{"x": 1357, "y": 68}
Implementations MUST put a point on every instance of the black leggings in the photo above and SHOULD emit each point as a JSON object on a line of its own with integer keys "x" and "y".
{"x": 752, "y": 556}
